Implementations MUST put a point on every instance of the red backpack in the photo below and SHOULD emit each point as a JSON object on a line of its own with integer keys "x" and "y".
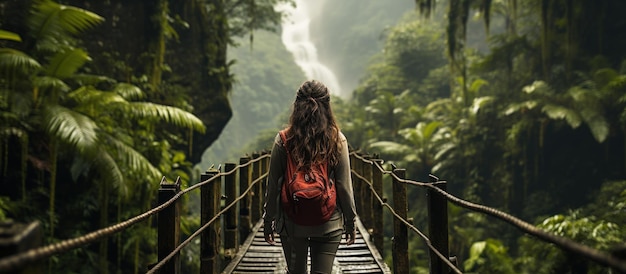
{"x": 307, "y": 198}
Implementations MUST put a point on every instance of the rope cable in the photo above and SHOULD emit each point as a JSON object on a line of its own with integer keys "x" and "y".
{"x": 13, "y": 262}
{"x": 561, "y": 242}
{"x": 409, "y": 225}
{"x": 205, "y": 226}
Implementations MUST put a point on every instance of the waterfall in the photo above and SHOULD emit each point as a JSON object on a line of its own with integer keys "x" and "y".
{"x": 297, "y": 40}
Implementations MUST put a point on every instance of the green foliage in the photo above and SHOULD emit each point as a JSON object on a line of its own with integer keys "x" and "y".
{"x": 94, "y": 136}
{"x": 488, "y": 256}
{"x": 588, "y": 230}
{"x": 15, "y": 61}
{"x": 7, "y": 35}
{"x": 508, "y": 136}
{"x": 578, "y": 104}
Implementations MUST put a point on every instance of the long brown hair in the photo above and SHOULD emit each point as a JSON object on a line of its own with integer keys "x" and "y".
{"x": 313, "y": 134}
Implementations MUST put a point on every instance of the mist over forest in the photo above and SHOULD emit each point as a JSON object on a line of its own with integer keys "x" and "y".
{"x": 266, "y": 75}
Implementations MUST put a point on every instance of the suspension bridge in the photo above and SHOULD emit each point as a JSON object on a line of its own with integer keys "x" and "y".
{"x": 231, "y": 233}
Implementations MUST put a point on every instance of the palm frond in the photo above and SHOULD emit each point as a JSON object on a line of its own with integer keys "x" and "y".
{"x": 90, "y": 79}
{"x": 76, "y": 20}
{"x": 109, "y": 170}
{"x": 560, "y": 112}
{"x": 168, "y": 114}
{"x": 429, "y": 129}
{"x": 89, "y": 96}
{"x": 70, "y": 127}
{"x": 52, "y": 19}
{"x": 539, "y": 87}
{"x": 65, "y": 63}
{"x": 7, "y": 35}
{"x": 129, "y": 91}
{"x": 12, "y": 61}
{"x": 133, "y": 159}
{"x": 479, "y": 102}
{"x": 598, "y": 125}
{"x": 13, "y": 131}
{"x": 588, "y": 103}
{"x": 46, "y": 82}
{"x": 517, "y": 107}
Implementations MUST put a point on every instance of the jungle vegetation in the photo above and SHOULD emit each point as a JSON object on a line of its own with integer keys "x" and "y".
{"x": 518, "y": 105}
{"x": 99, "y": 101}
{"x": 532, "y": 124}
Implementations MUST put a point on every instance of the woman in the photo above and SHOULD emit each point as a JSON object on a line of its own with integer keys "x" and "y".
{"x": 313, "y": 137}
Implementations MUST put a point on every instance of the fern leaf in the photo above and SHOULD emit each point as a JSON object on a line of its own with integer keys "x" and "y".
{"x": 7, "y": 35}
{"x": 129, "y": 91}
{"x": 14, "y": 60}
{"x": 133, "y": 159}
{"x": 51, "y": 19}
{"x": 109, "y": 170}
{"x": 559, "y": 112}
{"x": 70, "y": 127}
{"x": 46, "y": 82}
{"x": 168, "y": 114}
{"x": 65, "y": 63}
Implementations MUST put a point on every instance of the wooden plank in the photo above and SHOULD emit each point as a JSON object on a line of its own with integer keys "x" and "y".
{"x": 259, "y": 259}
{"x": 256, "y": 256}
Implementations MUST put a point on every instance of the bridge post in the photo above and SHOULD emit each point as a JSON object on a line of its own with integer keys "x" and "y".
{"x": 244, "y": 204}
{"x": 231, "y": 242}
{"x": 377, "y": 181}
{"x": 210, "y": 202}
{"x": 438, "y": 227}
{"x": 256, "y": 191}
{"x": 265, "y": 166}
{"x": 366, "y": 195}
{"x": 16, "y": 238}
{"x": 357, "y": 165}
{"x": 169, "y": 226}
{"x": 400, "y": 243}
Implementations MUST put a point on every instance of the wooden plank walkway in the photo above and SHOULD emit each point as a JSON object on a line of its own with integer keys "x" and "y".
{"x": 256, "y": 256}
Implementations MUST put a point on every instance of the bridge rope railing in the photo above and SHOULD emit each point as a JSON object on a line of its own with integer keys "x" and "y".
{"x": 250, "y": 202}
{"x": 18, "y": 261}
{"x": 176, "y": 251}
{"x": 563, "y": 243}
{"x": 406, "y": 222}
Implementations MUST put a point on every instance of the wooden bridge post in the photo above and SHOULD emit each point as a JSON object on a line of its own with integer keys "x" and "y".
{"x": 366, "y": 195}
{"x": 438, "y": 228}
{"x": 263, "y": 184}
{"x": 210, "y": 202}
{"x": 377, "y": 181}
{"x": 400, "y": 243}
{"x": 231, "y": 242}
{"x": 256, "y": 191}
{"x": 357, "y": 166}
{"x": 169, "y": 226}
{"x": 20, "y": 237}
{"x": 244, "y": 204}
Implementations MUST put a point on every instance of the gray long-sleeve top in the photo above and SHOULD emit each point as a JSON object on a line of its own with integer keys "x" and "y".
{"x": 344, "y": 216}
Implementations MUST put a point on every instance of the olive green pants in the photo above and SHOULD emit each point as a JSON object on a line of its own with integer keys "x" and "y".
{"x": 323, "y": 251}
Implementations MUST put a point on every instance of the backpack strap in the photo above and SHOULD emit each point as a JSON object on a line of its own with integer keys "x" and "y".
{"x": 291, "y": 167}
